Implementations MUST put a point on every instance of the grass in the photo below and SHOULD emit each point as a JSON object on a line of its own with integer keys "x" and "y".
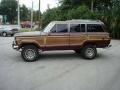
{"x": 27, "y": 30}
{"x": 24, "y": 30}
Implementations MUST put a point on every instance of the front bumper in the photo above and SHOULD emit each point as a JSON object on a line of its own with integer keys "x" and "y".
{"x": 14, "y": 46}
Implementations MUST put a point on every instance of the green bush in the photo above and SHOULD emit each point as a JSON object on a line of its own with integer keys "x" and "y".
{"x": 110, "y": 17}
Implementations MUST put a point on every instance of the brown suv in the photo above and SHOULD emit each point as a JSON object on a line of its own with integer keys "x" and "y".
{"x": 82, "y": 36}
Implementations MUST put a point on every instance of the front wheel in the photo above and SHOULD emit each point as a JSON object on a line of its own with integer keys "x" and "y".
{"x": 89, "y": 52}
{"x": 4, "y": 34}
{"x": 30, "y": 53}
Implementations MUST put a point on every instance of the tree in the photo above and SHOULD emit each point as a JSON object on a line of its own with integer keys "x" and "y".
{"x": 104, "y": 10}
{"x": 9, "y": 8}
{"x": 24, "y": 13}
{"x": 95, "y": 4}
{"x": 36, "y": 16}
{"x": 51, "y": 15}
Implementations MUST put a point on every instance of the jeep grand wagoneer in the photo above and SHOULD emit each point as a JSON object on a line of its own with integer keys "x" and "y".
{"x": 82, "y": 36}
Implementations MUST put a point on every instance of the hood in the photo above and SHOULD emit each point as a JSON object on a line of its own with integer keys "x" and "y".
{"x": 35, "y": 33}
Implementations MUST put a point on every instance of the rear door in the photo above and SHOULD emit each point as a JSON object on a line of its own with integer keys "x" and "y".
{"x": 77, "y": 35}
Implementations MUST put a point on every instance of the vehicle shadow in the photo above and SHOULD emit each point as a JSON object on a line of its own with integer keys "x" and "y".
{"x": 102, "y": 56}
{"x": 67, "y": 56}
{"x": 59, "y": 55}
{"x": 51, "y": 56}
{"x": 6, "y": 36}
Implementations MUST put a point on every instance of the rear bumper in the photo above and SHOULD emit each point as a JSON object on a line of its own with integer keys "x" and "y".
{"x": 108, "y": 46}
{"x": 104, "y": 44}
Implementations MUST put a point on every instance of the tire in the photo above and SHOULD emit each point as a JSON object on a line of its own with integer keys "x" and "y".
{"x": 12, "y": 35}
{"x": 4, "y": 34}
{"x": 30, "y": 53}
{"x": 89, "y": 52}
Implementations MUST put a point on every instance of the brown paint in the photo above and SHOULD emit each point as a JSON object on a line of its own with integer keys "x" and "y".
{"x": 65, "y": 41}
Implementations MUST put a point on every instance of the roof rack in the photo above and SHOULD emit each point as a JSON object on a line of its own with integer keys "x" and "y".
{"x": 85, "y": 20}
{"x": 89, "y": 21}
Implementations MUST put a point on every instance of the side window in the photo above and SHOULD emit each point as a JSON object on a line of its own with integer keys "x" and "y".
{"x": 94, "y": 28}
{"x": 62, "y": 28}
{"x": 75, "y": 28}
{"x": 82, "y": 27}
{"x": 100, "y": 28}
{"x": 91, "y": 28}
{"x": 53, "y": 30}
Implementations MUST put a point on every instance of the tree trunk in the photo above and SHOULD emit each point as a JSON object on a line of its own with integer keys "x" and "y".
{"x": 92, "y": 5}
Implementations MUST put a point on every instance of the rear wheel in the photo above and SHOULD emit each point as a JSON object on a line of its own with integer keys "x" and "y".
{"x": 89, "y": 52}
{"x": 4, "y": 34}
{"x": 30, "y": 53}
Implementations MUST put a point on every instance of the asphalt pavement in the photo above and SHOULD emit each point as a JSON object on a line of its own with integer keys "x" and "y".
{"x": 59, "y": 70}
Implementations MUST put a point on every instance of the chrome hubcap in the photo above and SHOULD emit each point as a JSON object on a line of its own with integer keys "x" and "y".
{"x": 4, "y": 34}
{"x": 30, "y": 54}
{"x": 89, "y": 52}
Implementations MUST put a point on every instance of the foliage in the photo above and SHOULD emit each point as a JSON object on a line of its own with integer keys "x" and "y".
{"x": 24, "y": 30}
{"x": 24, "y": 13}
{"x": 104, "y": 10}
{"x": 9, "y": 7}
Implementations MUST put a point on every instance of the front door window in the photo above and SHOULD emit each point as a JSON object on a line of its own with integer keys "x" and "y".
{"x": 62, "y": 28}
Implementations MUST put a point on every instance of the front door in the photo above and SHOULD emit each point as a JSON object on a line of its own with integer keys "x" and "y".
{"x": 58, "y": 37}
{"x": 77, "y": 35}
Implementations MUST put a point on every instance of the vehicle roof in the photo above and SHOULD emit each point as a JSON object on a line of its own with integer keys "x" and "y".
{"x": 80, "y": 21}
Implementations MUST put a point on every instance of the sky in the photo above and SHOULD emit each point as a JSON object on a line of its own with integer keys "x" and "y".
{"x": 44, "y": 4}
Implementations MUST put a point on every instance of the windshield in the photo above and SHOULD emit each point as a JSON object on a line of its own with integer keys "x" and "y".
{"x": 48, "y": 27}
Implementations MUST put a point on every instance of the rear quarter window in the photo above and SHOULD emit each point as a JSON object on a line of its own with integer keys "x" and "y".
{"x": 94, "y": 28}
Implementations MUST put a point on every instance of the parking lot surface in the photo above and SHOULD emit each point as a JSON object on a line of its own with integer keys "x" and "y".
{"x": 59, "y": 70}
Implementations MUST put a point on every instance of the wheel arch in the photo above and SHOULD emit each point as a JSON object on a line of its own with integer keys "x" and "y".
{"x": 25, "y": 44}
{"x": 90, "y": 43}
